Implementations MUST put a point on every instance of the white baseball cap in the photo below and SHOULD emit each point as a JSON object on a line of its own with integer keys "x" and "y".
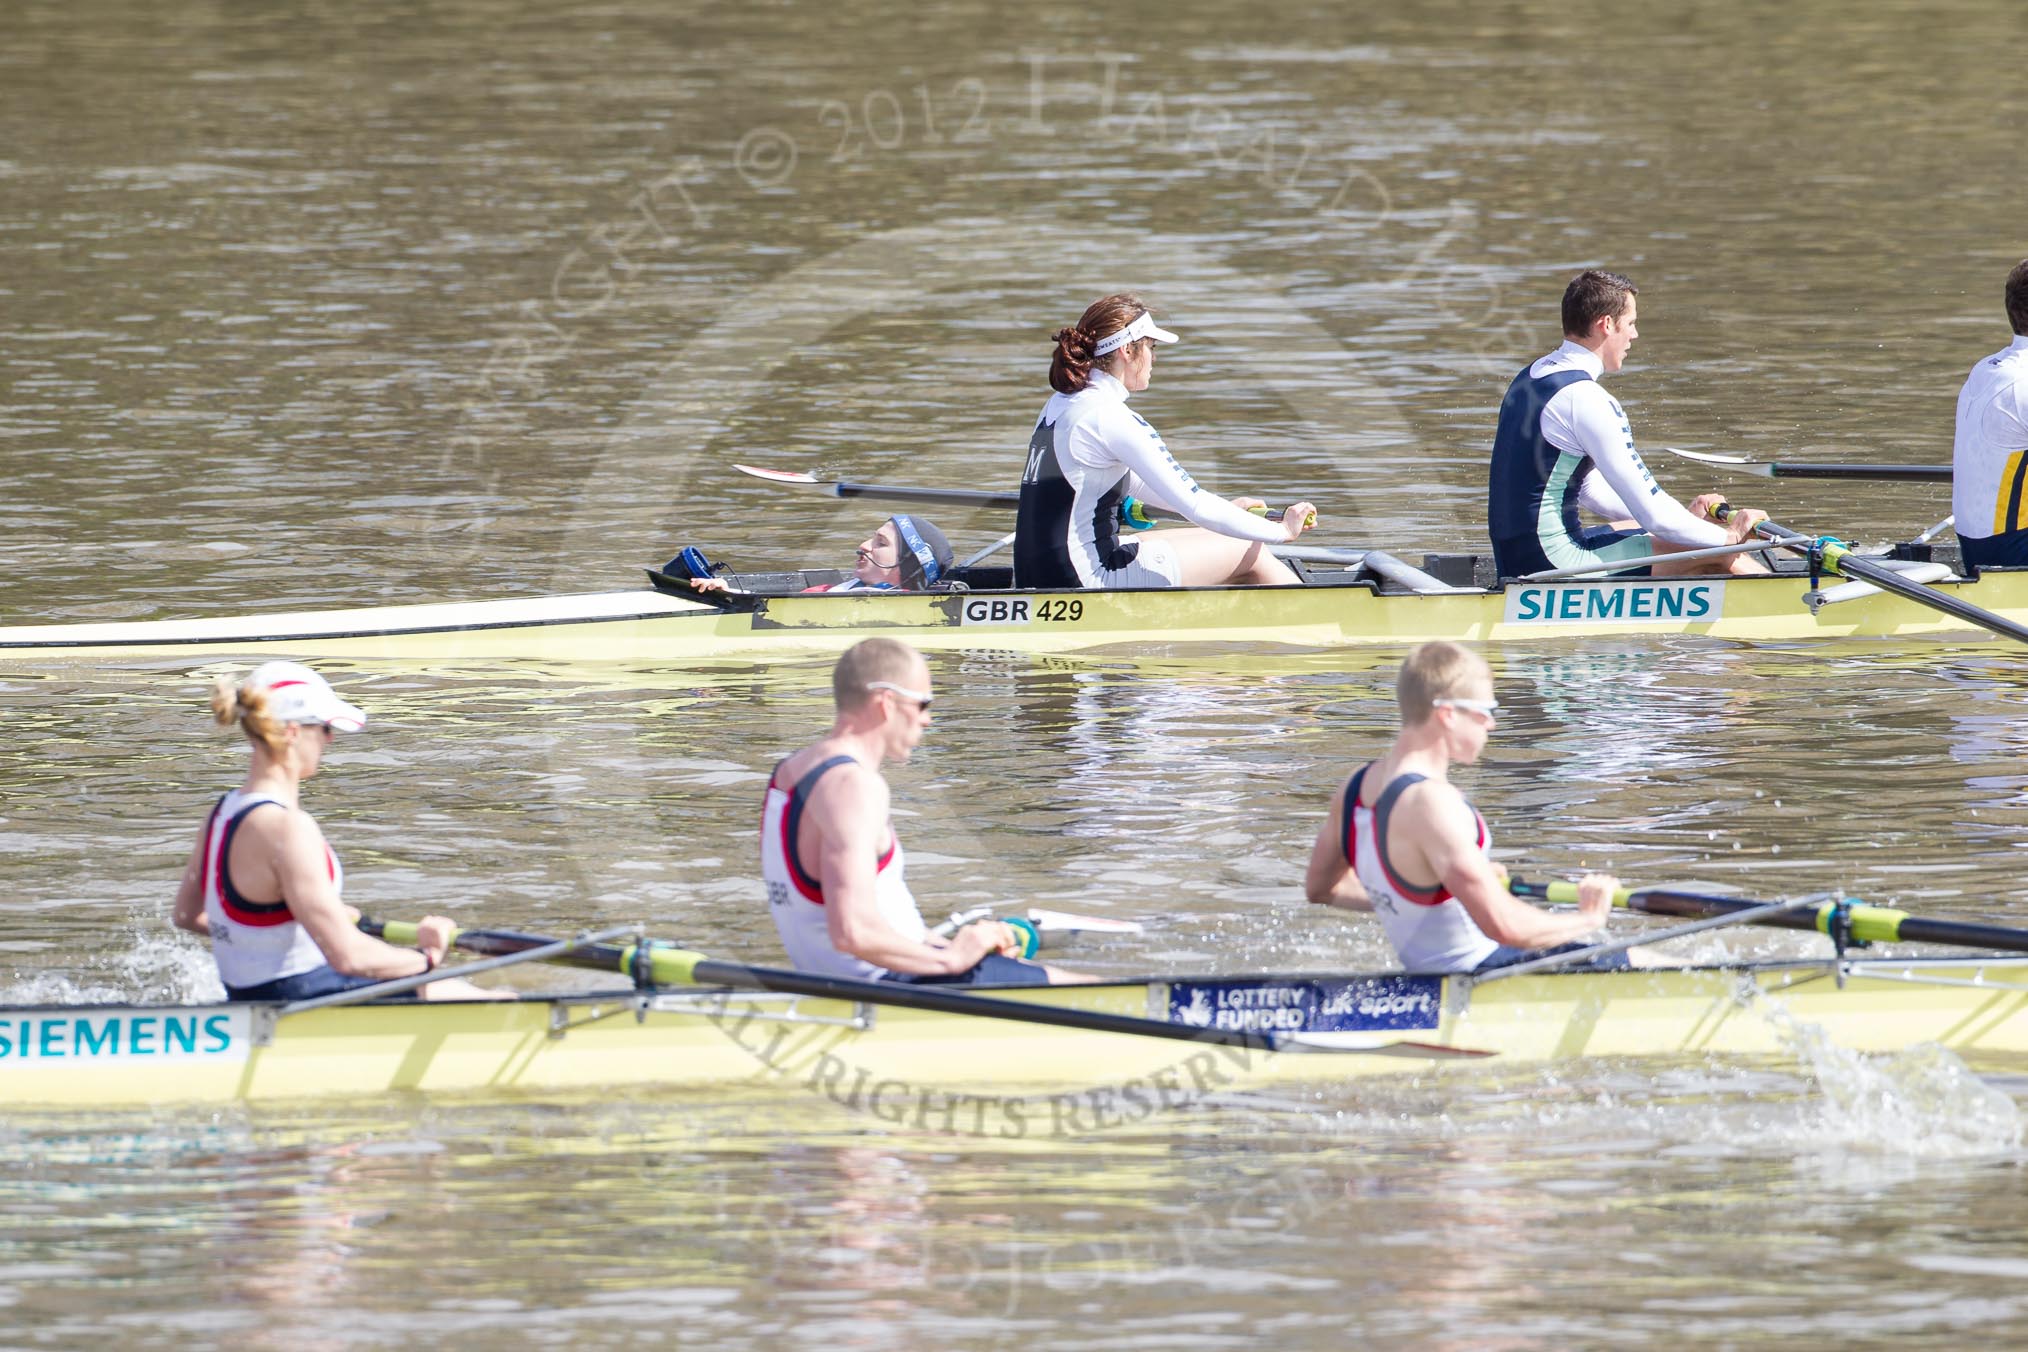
{"x": 1143, "y": 327}
{"x": 297, "y": 694}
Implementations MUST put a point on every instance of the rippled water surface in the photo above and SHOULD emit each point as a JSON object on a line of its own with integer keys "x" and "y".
{"x": 328, "y": 304}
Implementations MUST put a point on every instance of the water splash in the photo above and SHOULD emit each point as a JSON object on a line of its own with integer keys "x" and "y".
{"x": 1922, "y": 1101}
{"x": 146, "y": 968}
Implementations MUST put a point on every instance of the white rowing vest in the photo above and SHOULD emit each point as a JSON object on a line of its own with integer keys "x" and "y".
{"x": 252, "y": 942}
{"x": 1430, "y": 929}
{"x": 796, "y": 900}
{"x": 1989, "y": 460}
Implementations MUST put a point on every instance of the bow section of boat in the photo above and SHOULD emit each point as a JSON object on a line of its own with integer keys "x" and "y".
{"x": 594, "y": 626}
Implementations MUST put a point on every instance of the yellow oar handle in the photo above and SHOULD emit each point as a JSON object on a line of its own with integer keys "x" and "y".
{"x": 666, "y": 966}
{"x": 1868, "y": 924}
{"x": 1566, "y": 893}
{"x": 1281, "y": 514}
{"x": 403, "y": 933}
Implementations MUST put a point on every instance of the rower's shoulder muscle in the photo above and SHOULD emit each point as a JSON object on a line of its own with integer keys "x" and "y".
{"x": 277, "y": 826}
{"x": 1436, "y": 806}
{"x": 849, "y": 795}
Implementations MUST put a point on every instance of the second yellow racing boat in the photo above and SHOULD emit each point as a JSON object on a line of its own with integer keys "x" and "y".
{"x": 1349, "y": 597}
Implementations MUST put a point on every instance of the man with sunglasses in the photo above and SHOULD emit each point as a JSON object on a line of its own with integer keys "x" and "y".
{"x": 830, "y": 858}
{"x": 1401, "y": 842}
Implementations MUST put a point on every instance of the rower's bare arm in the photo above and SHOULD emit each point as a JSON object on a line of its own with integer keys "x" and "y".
{"x": 1330, "y": 881}
{"x": 189, "y": 913}
{"x": 847, "y": 813}
{"x": 1481, "y": 889}
{"x": 1450, "y": 846}
{"x": 302, "y": 869}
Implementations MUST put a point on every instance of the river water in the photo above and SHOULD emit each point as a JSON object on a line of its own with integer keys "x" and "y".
{"x": 348, "y": 304}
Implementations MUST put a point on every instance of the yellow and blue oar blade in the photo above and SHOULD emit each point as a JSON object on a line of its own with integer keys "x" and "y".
{"x": 1867, "y": 924}
{"x": 659, "y": 965}
{"x": 1787, "y": 469}
{"x": 1836, "y": 555}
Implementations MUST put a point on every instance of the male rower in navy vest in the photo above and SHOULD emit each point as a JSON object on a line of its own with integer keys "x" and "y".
{"x": 1989, "y": 462}
{"x": 1564, "y": 444}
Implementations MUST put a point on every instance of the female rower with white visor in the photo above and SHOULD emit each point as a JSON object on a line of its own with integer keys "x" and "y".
{"x": 1089, "y": 453}
{"x": 261, "y": 883}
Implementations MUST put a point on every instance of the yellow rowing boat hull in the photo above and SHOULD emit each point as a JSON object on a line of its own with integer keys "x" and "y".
{"x": 649, "y": 627}
{"x": 890, "y": 1060}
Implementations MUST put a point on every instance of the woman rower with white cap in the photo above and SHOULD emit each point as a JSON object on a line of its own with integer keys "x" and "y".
{"x": 1089, "y": 453}
{"x": 261, "y": 883}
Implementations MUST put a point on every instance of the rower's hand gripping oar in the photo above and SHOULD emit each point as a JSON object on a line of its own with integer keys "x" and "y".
{"x": 1826, "y": 551}
{"x": 1847, "y": 922}
{"x": 652, "y": 964}
{"x": 1132, "y": 512}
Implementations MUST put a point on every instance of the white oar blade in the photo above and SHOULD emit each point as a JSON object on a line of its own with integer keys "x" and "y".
{"x": 1738, "y": 462}
{"x": 780, "y": 476}
{"x": 1063, "y": 922}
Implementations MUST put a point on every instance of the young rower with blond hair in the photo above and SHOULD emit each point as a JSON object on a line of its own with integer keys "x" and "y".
{"x": 1402, "y": 842}
{"x": 263, "y": 885}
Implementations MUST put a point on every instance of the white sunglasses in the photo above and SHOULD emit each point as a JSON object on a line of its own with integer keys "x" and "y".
{"x": 1488, "y": 707}
{"x": 921, "y": 697}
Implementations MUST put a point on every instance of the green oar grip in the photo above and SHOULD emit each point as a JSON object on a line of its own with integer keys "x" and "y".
{"x": 1031, "y": 938}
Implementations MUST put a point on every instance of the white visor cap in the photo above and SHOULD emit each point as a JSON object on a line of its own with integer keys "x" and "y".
{"x": 1143, "y": 327}
{"x": 297, "y": 694}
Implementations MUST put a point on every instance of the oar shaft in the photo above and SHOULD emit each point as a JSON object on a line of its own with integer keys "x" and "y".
{"x": 969, "y": 497}
{"x": 1838, "y": 556}
{"x": 599, "y": 957}
{"x": 941, "y": 497}
{"x": 708, "y": 972}
{"x": 1939, "y": 474}
{"x": 1787, "y": 469}
{"x": 1870, "y": 924}
{"x": 1866, "y": 570}
{"x": 682, "y": 967}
